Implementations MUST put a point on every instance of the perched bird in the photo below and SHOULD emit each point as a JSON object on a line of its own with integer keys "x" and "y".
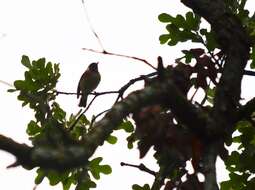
{"x": 88, "y": 82}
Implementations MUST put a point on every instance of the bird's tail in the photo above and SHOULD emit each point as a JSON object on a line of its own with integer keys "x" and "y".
{"x": 83, "y": 101}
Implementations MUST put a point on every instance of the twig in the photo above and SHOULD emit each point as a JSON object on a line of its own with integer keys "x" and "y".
{"x": 141, "y": 167}
{"x": 92, "y": 93}
{"x": 120, "y": 55}
{"x": 6, "y": 83}
{"x": 101, "y": 45}
{"x": 95, "y": 117}
{"x": 91, "y": 26}
{"x": 85, "y": 110}
{"x": 193, "y": 95}
{"x": 120, "y": 92}
{"x": 132, "y": 81}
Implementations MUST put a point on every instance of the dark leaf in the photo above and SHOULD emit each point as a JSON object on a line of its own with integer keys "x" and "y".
{"x": 164, "y": 17}
{"x": 25, "y": 61}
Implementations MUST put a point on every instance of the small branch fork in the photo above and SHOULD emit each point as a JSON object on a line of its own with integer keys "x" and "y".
{"x": 120, "y": 93}
{"x": 103, "y": 51}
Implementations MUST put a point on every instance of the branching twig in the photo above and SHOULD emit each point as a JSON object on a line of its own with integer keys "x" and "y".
{"x": 120, "y": 92}
{"x": 96, "y": 116}
{"x": 132, "y": 81}
{"x": 85, "y": 110}
{"x": 101, "y": 45}
{"x": 121, "y": 55}
{"x": 141, "y": 167}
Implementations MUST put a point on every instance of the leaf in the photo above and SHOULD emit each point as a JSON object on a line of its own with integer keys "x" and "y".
{"x": 67, "y": 184}
{"x": 127, "y": 126}
{"x": 95, "y": 168}
{"x": 40, "y": 176}
{"x": 106, "y": 169}
{"x": 179, "y": 21}
{"x": 33, "y": 128}
{"x": 164, "y": 17}
{"x": 164, "y": 38}
{"x": 138, "y": 187}
{"x": 19, "y": 84}
{"x": 192, "y": 21}
{"x": 112, "y": 139}
{"x": 25, "y": 61}
{"x": 58, "y": 112}
{"x": 86, "y": 185}
{"x": 53, "y": 177}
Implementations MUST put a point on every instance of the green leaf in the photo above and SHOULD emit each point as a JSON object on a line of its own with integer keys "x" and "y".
{"x": 96, "y": 169}
{"x": 67, "y": 184}
{"x": 40, "y": 176}
{"x": 164, "y": 38}
{"x": 192, "y": 21}
{"x": 164, "y": 17}
{"x": 226, "y": 185}
{"x": 106, "y": 169}
{"x": 130, "y": 145}
{"x": 138, "y": 187}
{"x": 112, "y": 139}
{"x": 131, "y": 139}
{"x": 127, "y": 126}
{"x": 58, "y": 113}
{"x": 25, "y": 61}
{"x": 179, "y": 21}
{"x": 19, "y": 84}
{"x": 53, "y": 177}
{"x": 86, "y": 185}
{"x": 33, "y": 128}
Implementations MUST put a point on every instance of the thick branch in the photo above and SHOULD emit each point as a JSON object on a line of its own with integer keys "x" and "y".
{"x": 75, "y": 155}
{"x": 210, "y": 169}
{"x": 236, "y": 44}
{"x": 21, "y": 151}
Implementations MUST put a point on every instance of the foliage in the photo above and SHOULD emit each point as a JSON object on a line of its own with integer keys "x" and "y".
{"x": 207, "y": 65}
{"x": 52, "y": 128}
{"x": 153, "y": 126}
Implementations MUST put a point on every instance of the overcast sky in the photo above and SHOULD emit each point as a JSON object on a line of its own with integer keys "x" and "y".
{"x": 58, "y": 30}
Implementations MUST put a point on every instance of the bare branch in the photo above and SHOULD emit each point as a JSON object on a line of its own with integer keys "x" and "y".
{"x": 141, "y": 167}
{"x": 121, "y": 55}
{"x": 91, "y": 26}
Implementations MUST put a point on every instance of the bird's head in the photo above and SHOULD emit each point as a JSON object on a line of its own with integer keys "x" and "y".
{"x": 93, "y": 67}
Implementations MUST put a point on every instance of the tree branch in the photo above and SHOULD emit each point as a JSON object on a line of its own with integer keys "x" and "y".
{"x": 77, "y": 154}
{"x": 209, "y": 161}
{"x": 236, "y": 44}
{"x": 121, "y": 55}
{"x": 141, "y": 167}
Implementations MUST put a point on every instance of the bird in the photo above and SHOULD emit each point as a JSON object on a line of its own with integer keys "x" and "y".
{"x": 87, "y": 83}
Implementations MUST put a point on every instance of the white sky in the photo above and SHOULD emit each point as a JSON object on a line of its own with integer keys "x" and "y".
{"x": 58, "y": 30}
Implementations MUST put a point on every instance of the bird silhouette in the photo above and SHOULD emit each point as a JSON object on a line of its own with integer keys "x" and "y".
{"x": 88, "y": 82}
